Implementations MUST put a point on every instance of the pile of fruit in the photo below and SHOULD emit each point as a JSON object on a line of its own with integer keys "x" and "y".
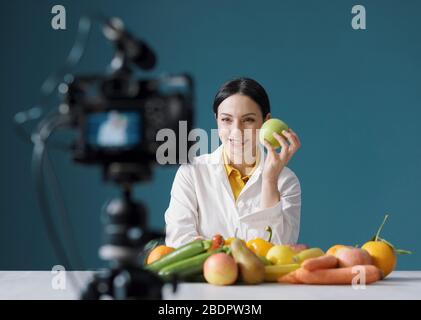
{"x": 225, "y": 262}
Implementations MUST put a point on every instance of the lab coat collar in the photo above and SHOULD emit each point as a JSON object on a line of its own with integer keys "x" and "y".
{"x": 229, "y": 168}
{"x": 217, "y": 158}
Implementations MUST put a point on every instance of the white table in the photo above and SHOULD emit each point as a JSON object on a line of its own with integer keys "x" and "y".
{"x": 30, "y": 285}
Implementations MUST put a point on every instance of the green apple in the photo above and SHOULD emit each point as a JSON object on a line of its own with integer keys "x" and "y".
{"x": 268, "y": 128}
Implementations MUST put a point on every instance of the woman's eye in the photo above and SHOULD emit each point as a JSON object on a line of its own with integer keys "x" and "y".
{"x": 249, "y": 120}
{"x": 226, "y": 119}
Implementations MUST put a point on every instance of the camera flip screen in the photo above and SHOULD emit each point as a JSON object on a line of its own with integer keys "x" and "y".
{"x": 114, "y": 129}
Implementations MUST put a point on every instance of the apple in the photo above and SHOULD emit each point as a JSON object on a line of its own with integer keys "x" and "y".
{"x": 348, "y": 257}
{"x": 281, "y": 254}
{"x": 268, "y": 128}
{"x": 220, "y": 269}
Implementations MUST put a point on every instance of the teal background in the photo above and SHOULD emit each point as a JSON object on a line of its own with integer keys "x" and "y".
{"x": 354, "y": 98}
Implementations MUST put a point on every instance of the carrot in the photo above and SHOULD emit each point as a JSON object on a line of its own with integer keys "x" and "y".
{"x": 323, "y": 262}
{"x": 338, "y": 275}
{"x": 290, "y": 278}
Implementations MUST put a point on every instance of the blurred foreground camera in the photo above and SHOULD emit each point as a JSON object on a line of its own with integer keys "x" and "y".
{"x": 117, "y": 117}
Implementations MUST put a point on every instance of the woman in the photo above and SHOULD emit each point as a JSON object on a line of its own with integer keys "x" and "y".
{"x": 222, "y": 193}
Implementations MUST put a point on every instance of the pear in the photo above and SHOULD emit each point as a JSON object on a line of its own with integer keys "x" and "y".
{"x": 252, "y": 269}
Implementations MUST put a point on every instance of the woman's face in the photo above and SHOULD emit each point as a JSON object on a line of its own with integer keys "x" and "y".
{"x": 238, "y": 120}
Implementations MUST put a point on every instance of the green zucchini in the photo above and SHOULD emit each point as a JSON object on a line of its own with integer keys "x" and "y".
{"x": 187, "y": 268}
{"x": 184, "y": 252}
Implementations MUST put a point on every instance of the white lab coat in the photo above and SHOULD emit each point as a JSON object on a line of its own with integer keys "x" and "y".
{"x": 202, "y": 204}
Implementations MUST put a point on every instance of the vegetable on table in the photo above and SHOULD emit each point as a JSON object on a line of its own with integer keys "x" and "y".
{"x": 324, "y": 262}
{"x": 274, "y": 272}
{"x": 252, "y": 269}
{"x": 383, "y": 253}
{"x": 336, "y": 276}
{"x": 261, "y": 246}
{"x": 186, "y": 251}
{"x": 187, "y": 268}
{"x": 307, "y": 254}
{"x": 157, "y": 253}
{"x": 217, "y": 242}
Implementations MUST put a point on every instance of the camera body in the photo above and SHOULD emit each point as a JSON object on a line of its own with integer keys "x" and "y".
{"x": 119, "y": 117}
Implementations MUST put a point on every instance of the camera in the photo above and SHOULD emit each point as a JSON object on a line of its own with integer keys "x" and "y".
{"x": 119, "y": 117}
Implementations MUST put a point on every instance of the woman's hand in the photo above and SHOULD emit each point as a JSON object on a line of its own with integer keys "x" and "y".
{"x": 273, "y": 166}
{"x": 275, "y": 162}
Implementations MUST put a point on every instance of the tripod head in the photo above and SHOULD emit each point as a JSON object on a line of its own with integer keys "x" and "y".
{"x": 125, "y": 221}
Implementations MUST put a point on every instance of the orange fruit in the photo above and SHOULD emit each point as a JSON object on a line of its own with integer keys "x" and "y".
{"x": 332, "y": 250}
{"x": 383, "y": 255}
{"x": 158, "y": 252}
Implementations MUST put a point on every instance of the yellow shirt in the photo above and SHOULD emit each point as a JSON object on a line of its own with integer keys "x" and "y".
{"x": 235, "y": 179}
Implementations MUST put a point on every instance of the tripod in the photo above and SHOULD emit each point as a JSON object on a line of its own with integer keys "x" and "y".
{"x": 125, "y": 236}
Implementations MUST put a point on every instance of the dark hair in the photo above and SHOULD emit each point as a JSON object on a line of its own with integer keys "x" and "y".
{"x": 247, "y": 87}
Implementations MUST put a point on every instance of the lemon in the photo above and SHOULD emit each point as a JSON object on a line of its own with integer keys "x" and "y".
{"x": 280, "y": 254}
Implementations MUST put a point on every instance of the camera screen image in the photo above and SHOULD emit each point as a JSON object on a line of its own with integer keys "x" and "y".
{"x": 114, "y": 129}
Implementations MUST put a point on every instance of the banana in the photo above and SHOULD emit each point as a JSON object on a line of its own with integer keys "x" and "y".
{"x": 307, "y": 254}
{"x": 274, "y": 272}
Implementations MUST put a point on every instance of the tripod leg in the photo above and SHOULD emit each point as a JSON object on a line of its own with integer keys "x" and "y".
{"x": 90, "y": 292}
{"x": 99, "y": 286}
{"x": 136, "y": 283}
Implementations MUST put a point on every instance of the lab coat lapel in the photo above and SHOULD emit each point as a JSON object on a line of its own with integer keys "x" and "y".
{"x": 220, "y": 171}
{"x": 222, "y": 176}
{"x": 256, "y": 174}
